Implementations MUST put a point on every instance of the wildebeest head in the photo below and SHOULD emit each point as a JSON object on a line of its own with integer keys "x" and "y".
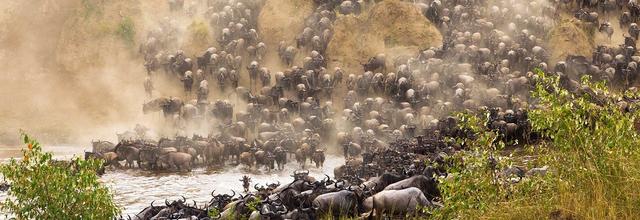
{"x": 154, "y": 105}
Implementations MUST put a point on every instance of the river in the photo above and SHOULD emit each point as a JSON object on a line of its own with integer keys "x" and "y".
{"x": 134, "y": 189}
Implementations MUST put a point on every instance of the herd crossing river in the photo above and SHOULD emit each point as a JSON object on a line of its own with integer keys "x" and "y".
{"x": 226, "y": 114}
{"x": 133, "y": 189}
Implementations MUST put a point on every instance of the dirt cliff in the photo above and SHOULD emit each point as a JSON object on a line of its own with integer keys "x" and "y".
{"x": 283, "y": 20}
{"x": 382, "y": 29}
{"x": 69, "y": 67}
{"x": 569, "y": 37}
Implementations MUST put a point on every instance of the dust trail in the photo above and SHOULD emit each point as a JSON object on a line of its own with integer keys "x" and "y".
{"x": 67, "y": 75}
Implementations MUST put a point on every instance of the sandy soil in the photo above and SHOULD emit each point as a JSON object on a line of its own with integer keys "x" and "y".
{"x": 569, "y": 38}
{"x": 67, "y": 75}
{"x": 383, "y": 29}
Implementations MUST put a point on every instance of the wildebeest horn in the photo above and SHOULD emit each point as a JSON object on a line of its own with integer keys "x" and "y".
{"x": 234, "y": 194}
{"x": 166, "y": 202}
{"x": 256, "y": 187}
{"x": 315, "y": 186}
{"x": 276, "y": 202}
{"x": 283, "y": 211}
{"x": 266, "y": 200}
{"x": 183, "y": 200}
{"x": 328, "y": 178}
{"x": 365, "y": 187}
{"x": 212, "y": 195}
{"x": 194, "y": 204}
{"x": 152, "y": 203}
{"x": 302, "y": 208}
{"x": 269, "y": 213}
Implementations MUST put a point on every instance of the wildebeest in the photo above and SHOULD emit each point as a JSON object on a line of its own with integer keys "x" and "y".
{"x": 397, "y": 202}
{"x": 177, "y": 160}
{"x": 375, "y": 63}
{"x": 427, "y": 185}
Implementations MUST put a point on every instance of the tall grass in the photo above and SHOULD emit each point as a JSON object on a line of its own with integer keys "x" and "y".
{"x": 592, "y": 152}
{"x": 595, "y": 149}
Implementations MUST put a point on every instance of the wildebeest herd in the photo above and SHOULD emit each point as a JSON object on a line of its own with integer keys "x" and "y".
{"x": 182, "y": 153}
{"x": 400, "y": 183}
{"x": 390, "y": 119}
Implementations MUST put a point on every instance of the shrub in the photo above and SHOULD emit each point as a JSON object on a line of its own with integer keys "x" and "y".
{"x": 127, "y": 30}
{"x": 91, "y": 7}
{"x": 594, "y": 146}
{"x": 199, "y": 36}
{"x": 43, "y": 188}
{"x": 473, "y": 187}
{"x": 591, "y": 150}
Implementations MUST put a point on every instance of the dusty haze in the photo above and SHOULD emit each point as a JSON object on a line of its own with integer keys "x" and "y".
{"x": 67, "y": 77}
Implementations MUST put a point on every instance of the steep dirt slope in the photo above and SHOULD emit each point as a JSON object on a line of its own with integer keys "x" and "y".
{"x": 383, "y": 29}
{"x": 568, "y": 38}
{"x": 283, "y": 19}
{"x": 68, "y": 69}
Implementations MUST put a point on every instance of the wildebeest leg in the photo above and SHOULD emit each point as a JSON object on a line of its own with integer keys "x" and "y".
{"x": 116, "y": 164}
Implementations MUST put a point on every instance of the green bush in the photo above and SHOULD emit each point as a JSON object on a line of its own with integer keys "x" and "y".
{"x": 91, "y": 7}
{"x": 199, "y": 36}
{"x": 43, "y": 188}
{"x": 473, "y": 187}
{"x": 591, "y": 150}
{"x": 127, "y": 30}
{"x": 594, "y": 146}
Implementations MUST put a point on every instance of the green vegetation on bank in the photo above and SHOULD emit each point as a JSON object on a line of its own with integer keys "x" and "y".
{"x": 91, "y": 7}
{"x": 43, "y": 188}
{"x": 126, "y": 30}
{"x": 591, "y": 151}
{"x": 99, "y": 19}
{"x": 199, "y": 37}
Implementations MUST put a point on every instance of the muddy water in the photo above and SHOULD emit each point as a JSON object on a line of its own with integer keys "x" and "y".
{"x": 135, "y": 189}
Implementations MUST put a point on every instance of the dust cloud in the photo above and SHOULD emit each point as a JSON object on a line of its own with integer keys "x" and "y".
{"x": 67, "y": 76}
